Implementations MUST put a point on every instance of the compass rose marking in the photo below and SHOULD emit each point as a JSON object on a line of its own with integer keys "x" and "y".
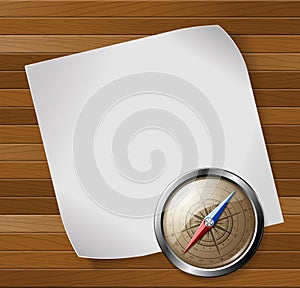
{"x": 209, "y": 221}
{"x": 213, "y": 237}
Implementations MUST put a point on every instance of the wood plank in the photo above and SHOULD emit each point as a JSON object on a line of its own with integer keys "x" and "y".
{"x": 276, "y": 98}
{"x": 274, "y": 79}
{"x": 289, "y": 205}
{"x": 285, "y": 169}
{"x": 35, "y": 152}
{"x": 48, "y": 206}
{"x": 263, "y": 97}
{"x": 69, "y": 260}
{"x": 268, "y": 116}
{"x": 280, "y": 152}
{"x": 281, "y": 134}
{"x": 35, "y": 223}
{"x": 280, "y": 242}
{"x": 68, "y": 44}
{"x": 288, "y": 187}
{"x": 23, "y": 116}
{"x": 23, "y": 170}
{"x": 265, "y": 44}
{"x": 273, "y": 56}
{"x": 280, "y": 116}
{"x": 254, "y": 61}
{"x": 22, "y": 134}
{"x": 274, "y": 134}
{"x": 60, "y": 242}
{"x": 53, "y": 224}
{"x": 259, "y": 80}
{"x": 146, "y": 278}
{"x": 137, "y": 25}
{"x": 13, "y": 80}
{"x": 39, "y": 170}
{"x": 149, "y": 8}
{"x": 78, "y": 43}
{"x": 272, "y": 61}
{"x": 44, "y": 187}
{"x": 290, "y": 225}
{"x": 15, "y": 97}
{"x": 17, "y": 61}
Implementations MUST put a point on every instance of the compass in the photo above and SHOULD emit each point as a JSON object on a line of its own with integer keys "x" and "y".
{"x": 209, "y": 222}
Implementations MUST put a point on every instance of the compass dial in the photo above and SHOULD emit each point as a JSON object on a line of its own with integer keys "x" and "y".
{"x": 210, "y": 224}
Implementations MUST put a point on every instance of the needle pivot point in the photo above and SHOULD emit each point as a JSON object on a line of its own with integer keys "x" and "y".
{"x": 209, "y": 222}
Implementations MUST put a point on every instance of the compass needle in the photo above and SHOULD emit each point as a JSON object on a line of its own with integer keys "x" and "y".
{"x": 208, "y": 222}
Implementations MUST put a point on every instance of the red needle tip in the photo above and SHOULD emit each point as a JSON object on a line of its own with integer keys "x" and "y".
{"x": 201, "y": 231}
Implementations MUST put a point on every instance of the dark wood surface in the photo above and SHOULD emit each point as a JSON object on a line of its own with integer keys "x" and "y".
{"x": 34, "y": 249}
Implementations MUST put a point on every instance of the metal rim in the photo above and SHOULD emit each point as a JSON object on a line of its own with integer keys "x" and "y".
{"x": 204, "y": 272}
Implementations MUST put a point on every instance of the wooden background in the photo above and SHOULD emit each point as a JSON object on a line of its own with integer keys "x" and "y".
{"x": 34, "y": 249}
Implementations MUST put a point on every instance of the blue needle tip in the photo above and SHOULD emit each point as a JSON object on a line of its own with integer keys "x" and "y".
{"x": 216, "y": 213}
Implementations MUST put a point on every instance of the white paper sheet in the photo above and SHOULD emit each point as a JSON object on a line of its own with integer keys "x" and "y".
{"x": 119, "y": 123}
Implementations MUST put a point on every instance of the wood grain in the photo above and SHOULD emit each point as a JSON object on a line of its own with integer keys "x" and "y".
{"x": 259, "y": 80}
{"x": 79, "y": 43}
{"x": 254, "y": 61}
{"x": 281, "y": 133}
{"x": 136, "y": 25}
{"x": 288, "y": 187}
{"x": 35, "y": 152}
{"x": 289, "y": 205}
{"x": 268, "y": 116}
{"x": 275, "y": 79}
{"x": 145, "y": 278}
{"x": 276, "y": 98}
{"x": 69, "y": 44}
{"x": 285, "y": 169}
{"x": 149, "y": 8}
{"x": 15, "y": 97}
{"x": 275, "y": 134}
{"x": 34, "y": 249}
{"x": 48, "y": 206}
{"x": 272, "y": 61}
{"x": 279, "y": 116}
{"x": 44, "y": 187}
{"x": 69, "y": 260}
{"x": 52, "y": 223}
{"x": 280, "y": 152}
{"x": 20, "y": 134}
{"x": 24, "y": 170}
{"x": 33, "y": 223}
{"x": 59, "y": 242}
{"x": 263, "y": 97}
{"x": 289, "y": 226}
{"x": 10, "y": 116}
{"x": 39, "y": 169}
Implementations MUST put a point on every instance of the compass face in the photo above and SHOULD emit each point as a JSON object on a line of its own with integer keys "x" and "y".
{"x": 221, "y": 210}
